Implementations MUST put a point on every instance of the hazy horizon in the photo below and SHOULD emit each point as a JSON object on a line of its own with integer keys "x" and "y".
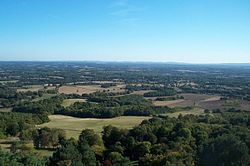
{"x": 180, "y": 31}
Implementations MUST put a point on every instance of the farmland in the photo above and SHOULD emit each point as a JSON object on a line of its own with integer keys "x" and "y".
{"x": 190, "y": 99}
{"x": 87, "y": 89}
{"x": 119, "y": 109}
{"x": 183, "y": 112}
{"x": 73, "y": 126}
{"x": 69, "y": 102}
{"x": 79, "y": 89}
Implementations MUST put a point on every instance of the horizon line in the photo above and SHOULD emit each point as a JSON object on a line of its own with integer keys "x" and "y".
{"x": 130, "y": 61}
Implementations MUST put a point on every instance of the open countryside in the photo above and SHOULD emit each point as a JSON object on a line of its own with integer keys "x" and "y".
{"x": 124, "y": 83}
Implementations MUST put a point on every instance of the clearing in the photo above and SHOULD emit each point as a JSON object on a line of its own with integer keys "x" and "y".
{"x": 31, "y": 88}
{"x": 87, "y": 89}
{"x": 69, "y": 102}
{"x": 84, "y": 89}
{"x": 5, "y": 109}
{"x": 141, "y": 92}
{"x": 45, "y": 96}
{"x": 73, "y": 126}
{"x": 193, "y": 111}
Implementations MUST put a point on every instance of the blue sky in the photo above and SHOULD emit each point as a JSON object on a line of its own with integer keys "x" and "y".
{"x": 192, "y": 31}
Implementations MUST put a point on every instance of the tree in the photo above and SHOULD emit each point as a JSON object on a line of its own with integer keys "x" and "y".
{"x": 18, "y": 159}
{"x": 90, "y": 136}
{"x": 13, "y": 129}
{"x": 26, "y": 135}
{"x": 118, "y": 160}
{"x": 88, "y": 156}
{"x": 14, "y": 147}
{"x": 111, "y": 135}
{"x": 45, "y": 138}
{"x": 225, "y": 150}
{"x": 67, "y": 155}
{"x": 141, "y": 149}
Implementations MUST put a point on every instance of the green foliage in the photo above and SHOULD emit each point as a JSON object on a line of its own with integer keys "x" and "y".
{"x": 73, "y": 153}
{"x": 46, "y": 106}
{"x": 88, "y": 156}
{"x": 91, "y": 137}
{"x": 161, "y": 92}
{"x": 109, "y": 107}
{"x": 13, "y": 124}
{"x": 221, "y": 137}
{"x": 19, "y": 159}
{"x": 187, "y": 140}
{"x": 118, "y": 160}
{"x": 47, "y": 138}
{"x": 67, "y": 154}
{"x": 225, "y": 150}
{"x": 9, "y": 97}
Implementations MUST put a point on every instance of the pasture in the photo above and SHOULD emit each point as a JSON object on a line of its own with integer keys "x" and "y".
{"x": 69, "y": 102}
{"x": 193, "y": 111}
{"x": 35, "y": 88}
{"x": 87, "y": 89}
{"x": 5, "y": 144}
{"x": 141, "y": 92}
{"x": 73, "y": 126}
{"x": 5, "y": 109}
{"x": 45, "y": 96}
{"x": 31, "y": 88}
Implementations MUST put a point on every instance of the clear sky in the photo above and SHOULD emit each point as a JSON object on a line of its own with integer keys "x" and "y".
{"x": 192, "y": 31}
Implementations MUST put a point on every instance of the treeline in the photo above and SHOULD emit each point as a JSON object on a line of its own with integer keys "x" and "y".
{"x": 169, "y": 98}
{"x": 47, "y": 138}
{"x": 161, "y": 92}
{"x": 120, "y": 100}
{"x": 108, "y": 85}
{"x": 132, "y": 88}
{"x": 9, "y": 97}
{"x": 16, "y": 124}
{"x": 88, "y": 110}
{"x": 46, "y": 106}
{"x": 100, "y": 105}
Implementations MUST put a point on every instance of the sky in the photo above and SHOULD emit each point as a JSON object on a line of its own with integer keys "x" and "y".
{"x": 190, "y": 31}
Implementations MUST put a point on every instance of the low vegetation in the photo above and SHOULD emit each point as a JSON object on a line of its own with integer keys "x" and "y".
{"x": 73, "y": 126}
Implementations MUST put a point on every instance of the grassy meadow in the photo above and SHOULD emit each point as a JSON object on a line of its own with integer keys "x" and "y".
{"x": 73, "y": 126}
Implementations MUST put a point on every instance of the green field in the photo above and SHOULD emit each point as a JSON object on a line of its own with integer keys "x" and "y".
{"x": 5, "y": 145}
{"x": 5, "y": 109}
{"x": 193, "y": 111}
{"x": 73, "y": 126}
{"x": 69, "y": 102}
{"x": 45, "y": 96}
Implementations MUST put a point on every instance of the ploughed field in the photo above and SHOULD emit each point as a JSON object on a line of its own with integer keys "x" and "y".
{"x": 204, "y": 101}
{"x": 190, "y": 99}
